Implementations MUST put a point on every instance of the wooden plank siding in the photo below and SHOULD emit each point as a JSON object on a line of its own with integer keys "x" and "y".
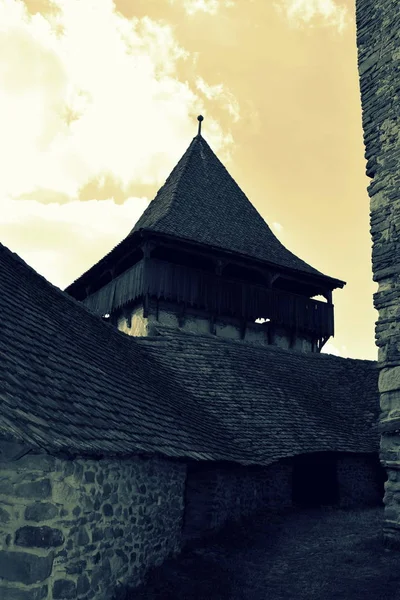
{"x": 219, "y": 295}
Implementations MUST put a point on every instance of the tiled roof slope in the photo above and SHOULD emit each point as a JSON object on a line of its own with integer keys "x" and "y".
{"x": 275, "y": 402}
{"x": 201, "y": 202}
{"x": 70, "y": 382}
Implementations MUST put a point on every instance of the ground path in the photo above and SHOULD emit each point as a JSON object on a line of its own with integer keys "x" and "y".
{"x": 324, "y": 554}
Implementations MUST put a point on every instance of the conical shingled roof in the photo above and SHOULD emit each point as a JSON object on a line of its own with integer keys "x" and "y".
{"x": 201, "y": 202}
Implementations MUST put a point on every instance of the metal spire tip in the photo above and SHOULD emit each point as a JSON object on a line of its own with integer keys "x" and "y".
{"x": 200, "y": 118}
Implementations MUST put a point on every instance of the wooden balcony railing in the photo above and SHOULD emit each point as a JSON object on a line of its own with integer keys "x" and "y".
{"x": 208, "y": 291}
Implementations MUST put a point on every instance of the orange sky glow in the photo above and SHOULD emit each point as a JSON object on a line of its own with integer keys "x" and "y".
{"x": 98, "y": 101}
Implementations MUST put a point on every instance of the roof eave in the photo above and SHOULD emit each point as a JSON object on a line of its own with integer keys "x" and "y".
{"x": 332, "y": 281}
{"x": 107, "y": 261}
{"x": 86, "y": 278}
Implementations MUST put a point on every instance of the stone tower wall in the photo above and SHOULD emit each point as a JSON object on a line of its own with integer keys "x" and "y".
{"x": 136, "y": 324}
{"x": 378, "y": 40}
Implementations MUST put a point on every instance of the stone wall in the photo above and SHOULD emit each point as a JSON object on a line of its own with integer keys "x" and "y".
{"x": 219, "y": 493}
{"x": 136, "y": 324}
{"x": 360, "y": 480}
{"x": 378, "y": 40}
{"x": 74, "y": 529}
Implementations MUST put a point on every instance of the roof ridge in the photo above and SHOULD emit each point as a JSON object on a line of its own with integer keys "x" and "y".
{"x": 184, "y": 161}
{"x": 64, "y": 295}
{"x": 188, "y": 155}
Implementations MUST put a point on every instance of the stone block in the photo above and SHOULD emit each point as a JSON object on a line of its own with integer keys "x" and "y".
{"x": 4, "y": 515}
{"x": 122, "y": 555}
{"x": 107, "y": 489}
{"x": 88, "y": 504}
{"x": 63, "y": 492}
{"x": 83, "y": 584}
{"x": 64, "y": 589}
{"x": 40, "y": 511}
{"x": 36, "y": 462}
{"x": 97, "y": 535}
{"x": 35, "y": 490}
{"x": 14, "y": 593}
{"x": 78, "y": 471}
{"x": 38, "y": 537}
{"x": 76, "y": 568}
{"x": 389, "y": 379}
{"x": 82, "y": 539}
{"x": 108, "y": 510}
{"x": 6, "y": 487}
{"x": 89, "y": 477}
{"x": 25, "y": 568}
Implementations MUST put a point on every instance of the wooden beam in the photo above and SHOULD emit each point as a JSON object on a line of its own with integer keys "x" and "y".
{"x": 220, "y": 265}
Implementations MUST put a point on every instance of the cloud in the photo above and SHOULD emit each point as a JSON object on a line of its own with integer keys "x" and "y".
{"x": 310, "y": 12}
{"x": 91, "y": 102}
{"x": 226, "y": 98}
{"x": 61, "y": 241}
{"x": 93, "y": 117}
{"x": 210, "y": 7}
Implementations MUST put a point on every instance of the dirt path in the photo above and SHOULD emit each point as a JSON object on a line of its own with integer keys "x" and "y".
{"x": 325, "y": 554}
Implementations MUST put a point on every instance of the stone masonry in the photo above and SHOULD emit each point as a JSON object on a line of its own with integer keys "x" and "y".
{"x": 378, "y": 39}
{"x": 75, "y": 529}
{"x": 132, "y": 322}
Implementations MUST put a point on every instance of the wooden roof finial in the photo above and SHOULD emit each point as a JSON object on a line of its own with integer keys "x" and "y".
{"x": 200, "y": 118}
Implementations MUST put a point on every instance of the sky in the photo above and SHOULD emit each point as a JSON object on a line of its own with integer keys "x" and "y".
{"x": 99, "y": 99}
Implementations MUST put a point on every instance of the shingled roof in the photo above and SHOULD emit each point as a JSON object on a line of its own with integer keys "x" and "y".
{"x": 201, "y": 202}
{"x": 275, "y": 402}
{"x": 71, "y": 383}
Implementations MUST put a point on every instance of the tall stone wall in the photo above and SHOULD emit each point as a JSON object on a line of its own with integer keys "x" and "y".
{"x": 378, "y": 39}
{"x": 75, "y": 529}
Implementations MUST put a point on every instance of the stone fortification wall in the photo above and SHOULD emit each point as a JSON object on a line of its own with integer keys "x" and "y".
{"x": 199, "y": 322}
{"x": 74, "y": 529}
{"x": 378, "y": 39}
{"x": 219, "y": 493}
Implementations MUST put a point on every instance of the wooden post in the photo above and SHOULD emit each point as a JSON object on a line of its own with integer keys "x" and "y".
{"x": 220, "y": 264}
{"x": 147, "y": 248}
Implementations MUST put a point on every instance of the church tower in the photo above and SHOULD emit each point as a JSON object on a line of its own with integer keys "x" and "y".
{"x": 202, "y": 258}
